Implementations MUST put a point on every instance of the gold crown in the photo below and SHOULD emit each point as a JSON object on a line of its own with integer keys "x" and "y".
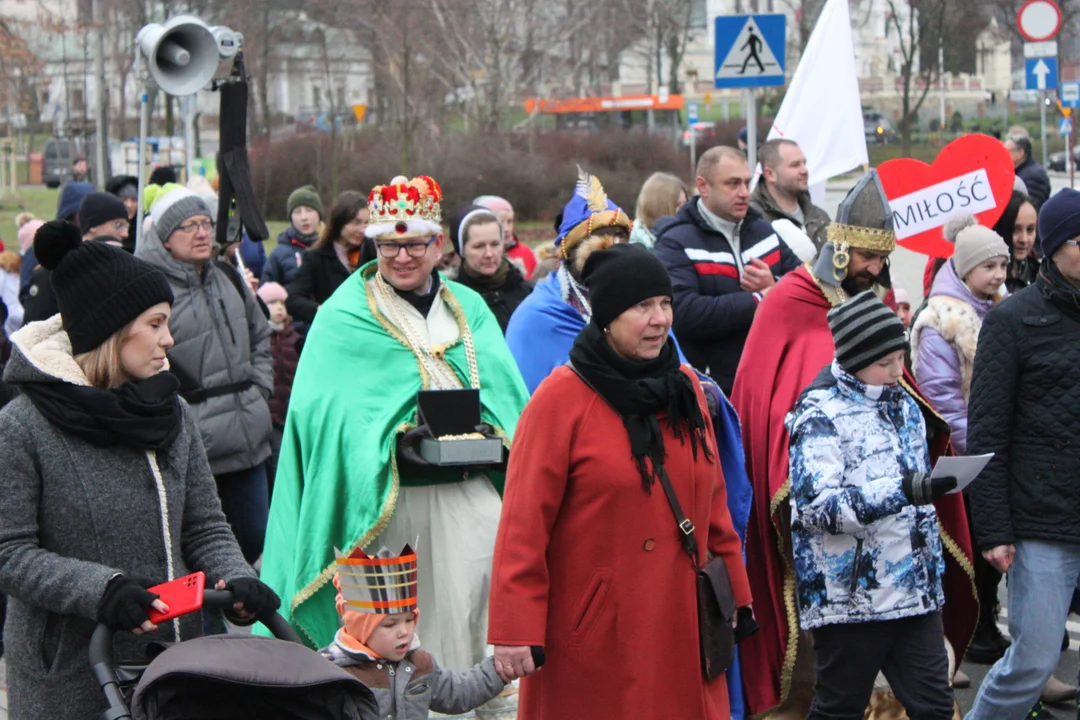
{"x": 405, "y": 208}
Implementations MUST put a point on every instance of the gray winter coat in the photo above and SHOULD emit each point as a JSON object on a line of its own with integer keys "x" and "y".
{"x": 223, "y": 349}
{"x": 408, "y": 689}
{"x": 74, "y": 515}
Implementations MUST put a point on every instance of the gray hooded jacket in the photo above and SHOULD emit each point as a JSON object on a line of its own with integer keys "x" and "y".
{"x": 222, "y": 357}
{"x": 72, "y": 516}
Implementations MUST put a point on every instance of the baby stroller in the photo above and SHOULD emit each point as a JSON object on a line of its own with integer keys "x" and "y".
{"x": 230, "y": 677}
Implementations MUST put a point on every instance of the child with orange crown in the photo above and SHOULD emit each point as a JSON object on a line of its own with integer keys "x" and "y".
{"x": 378, "y": 644}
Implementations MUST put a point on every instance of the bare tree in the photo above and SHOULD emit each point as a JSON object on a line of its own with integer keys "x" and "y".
{"x": 922, "y": 29}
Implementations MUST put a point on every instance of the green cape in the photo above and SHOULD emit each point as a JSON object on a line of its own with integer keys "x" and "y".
{"x": 337, "y": 479}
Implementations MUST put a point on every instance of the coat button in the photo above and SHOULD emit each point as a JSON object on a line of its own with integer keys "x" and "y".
{"x": 650, "y": 545}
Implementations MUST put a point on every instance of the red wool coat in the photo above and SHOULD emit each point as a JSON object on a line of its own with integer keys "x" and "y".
{"x": 588, "y": 565}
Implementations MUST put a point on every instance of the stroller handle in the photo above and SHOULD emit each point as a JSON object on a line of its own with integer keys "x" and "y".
{"x": 101, "y": 660}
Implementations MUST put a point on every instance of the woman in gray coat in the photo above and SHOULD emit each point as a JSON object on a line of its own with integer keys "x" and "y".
{"x": 106, "y": 486}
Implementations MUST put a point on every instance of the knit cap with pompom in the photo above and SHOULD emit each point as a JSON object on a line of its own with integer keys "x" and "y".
{"x": 957, "y": 223}
{"x": 99, "y": 288}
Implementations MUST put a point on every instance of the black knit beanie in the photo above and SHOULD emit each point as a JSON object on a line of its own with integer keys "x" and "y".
{"x": 99, "y": 288}
{"x": 620, "y": 277}
{"x": 98, "y": 208}
{"x": 865, "y": 330}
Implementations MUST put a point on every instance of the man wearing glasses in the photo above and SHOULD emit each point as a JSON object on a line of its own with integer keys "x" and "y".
{"x": 101, "y": 217}
{"x": 221, "y": 355}
{"x": 351, "y": 473}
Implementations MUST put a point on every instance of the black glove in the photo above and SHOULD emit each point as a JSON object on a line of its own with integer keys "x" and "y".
{"x": 259, "y": 600}
{"x": 745, "y": 624}
{"x": 408, "y": 450}
{"x": 921, "y": 489}
{"x": 486, "y": 430}
{"x": 126, "y": 602}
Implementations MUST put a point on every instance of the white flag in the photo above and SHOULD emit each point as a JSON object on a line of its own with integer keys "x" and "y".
{"x": 821, "y": 109}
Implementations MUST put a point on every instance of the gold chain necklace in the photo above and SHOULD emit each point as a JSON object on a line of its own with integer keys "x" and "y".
{"x": 433, "y": 359}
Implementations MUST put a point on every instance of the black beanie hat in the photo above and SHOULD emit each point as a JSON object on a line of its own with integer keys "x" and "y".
{"x": 620, "y": 277}
{"x": 865, "y": 330}
{"x": 98, "y": 208}
{"x": 99, "y": 288}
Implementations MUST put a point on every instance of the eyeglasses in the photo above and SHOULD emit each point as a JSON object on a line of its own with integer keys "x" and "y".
{"x": 1073, "y": 242}
{"x": 192, "y": 227}
{"x": 391, "y": 250}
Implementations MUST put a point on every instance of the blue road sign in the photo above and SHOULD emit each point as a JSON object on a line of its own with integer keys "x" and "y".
{"x": 1065, "y": 128}
{"x": 1041, "y": 73}
{"x": 750, "y": 50}
{"x": 1069, "y": 93}
{"x": 691, "y": 113}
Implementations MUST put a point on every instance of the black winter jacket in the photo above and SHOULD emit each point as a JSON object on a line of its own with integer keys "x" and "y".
{"x": 502, "y": 301}
{"x": 712, "y": 312}
{"x": 319, "y": 275}
{"x": 1025, "y": 395}
{"x": 39, "y": 300}
{"x": 1037, "y": 181}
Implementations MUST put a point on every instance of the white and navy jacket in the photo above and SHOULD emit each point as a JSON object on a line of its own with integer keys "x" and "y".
{"x": 712, "y": 312}
{"x": 862, "y": 551}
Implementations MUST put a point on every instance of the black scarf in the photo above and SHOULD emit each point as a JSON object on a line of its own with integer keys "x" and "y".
{"x": 422, "y": 303}
{"x": 1058, "y": 290}
{"x": 486, "y": 283}
{"x": 638, "y": 390}
{"x": 143, "y": 415}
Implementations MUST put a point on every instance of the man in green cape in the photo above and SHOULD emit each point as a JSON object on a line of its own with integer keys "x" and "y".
{"x": 350, "y": 474}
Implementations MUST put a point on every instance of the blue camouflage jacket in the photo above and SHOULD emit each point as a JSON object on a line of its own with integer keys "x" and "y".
{"x": 862, "y": 551}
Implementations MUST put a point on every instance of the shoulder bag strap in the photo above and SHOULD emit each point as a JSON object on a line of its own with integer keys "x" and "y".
{"x": 686, "y": 526}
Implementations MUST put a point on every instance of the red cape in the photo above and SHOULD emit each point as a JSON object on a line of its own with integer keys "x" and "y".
{"x": 788, "y": 345}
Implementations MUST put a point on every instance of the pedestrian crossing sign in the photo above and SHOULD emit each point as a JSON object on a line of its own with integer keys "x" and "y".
{"x": 750, "y": 50}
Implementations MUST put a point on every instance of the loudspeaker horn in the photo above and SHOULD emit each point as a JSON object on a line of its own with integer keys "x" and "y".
{"x": 182, "y": 54}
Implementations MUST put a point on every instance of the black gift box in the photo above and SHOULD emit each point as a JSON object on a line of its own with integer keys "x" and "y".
{"x": 451, "y": 414}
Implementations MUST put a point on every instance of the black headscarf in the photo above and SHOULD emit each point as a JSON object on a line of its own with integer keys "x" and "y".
{"x": 144, "y": 415}
{"x": 637, "y": 391}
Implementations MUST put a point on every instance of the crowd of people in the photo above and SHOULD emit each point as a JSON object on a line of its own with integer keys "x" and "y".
{"x": 558, "y": 454}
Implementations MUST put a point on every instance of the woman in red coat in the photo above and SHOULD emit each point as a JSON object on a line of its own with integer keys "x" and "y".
{"x": 588, "y": 561}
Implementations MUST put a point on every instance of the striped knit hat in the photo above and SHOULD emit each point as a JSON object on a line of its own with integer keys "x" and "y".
{"x": 865, "y": 330}
{"x": 171, "y": 205}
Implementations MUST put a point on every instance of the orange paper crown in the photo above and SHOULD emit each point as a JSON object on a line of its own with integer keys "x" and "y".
{"x": 405, "y": 208}
{"x": 382, "y": 584}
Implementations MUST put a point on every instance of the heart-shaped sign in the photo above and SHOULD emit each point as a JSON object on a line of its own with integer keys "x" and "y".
{"x": 973, "y": 174}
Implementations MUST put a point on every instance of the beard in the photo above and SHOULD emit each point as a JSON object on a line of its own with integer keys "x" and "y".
{"x": 855, "y": 284}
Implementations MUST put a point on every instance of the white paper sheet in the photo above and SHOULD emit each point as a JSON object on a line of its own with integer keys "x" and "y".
{"x": 964, "y": 468}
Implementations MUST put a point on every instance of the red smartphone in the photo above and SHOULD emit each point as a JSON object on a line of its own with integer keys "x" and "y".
{"x": 183, "y": 595}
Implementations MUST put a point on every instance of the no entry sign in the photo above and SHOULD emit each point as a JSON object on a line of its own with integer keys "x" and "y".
{"x": 1039, "y": 20}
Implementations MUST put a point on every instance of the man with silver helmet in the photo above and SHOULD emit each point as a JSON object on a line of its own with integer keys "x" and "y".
{"x": 788, "y": 345}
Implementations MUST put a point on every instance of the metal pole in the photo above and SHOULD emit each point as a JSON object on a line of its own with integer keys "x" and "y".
{"x": 99, "y": 109}
{"x": 189, "y": 135}
{"x": 1042, "y": 124}
{"x": 693, "y": 150}
{"x": 941, "y": 85}
{"x": 751, "y": 128}
{"x": 144, "y": 122}
{"x": 1069, "y": 158}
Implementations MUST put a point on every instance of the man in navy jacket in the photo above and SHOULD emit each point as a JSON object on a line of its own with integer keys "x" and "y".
{"x": 723, "y": 258}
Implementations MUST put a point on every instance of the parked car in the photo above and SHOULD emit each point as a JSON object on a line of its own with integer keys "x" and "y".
{"x": 877, "y": 128}
{"x": 701, "y": 131}
{"x": 58, "y": 156}
{"x": 1056, "y": 161}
